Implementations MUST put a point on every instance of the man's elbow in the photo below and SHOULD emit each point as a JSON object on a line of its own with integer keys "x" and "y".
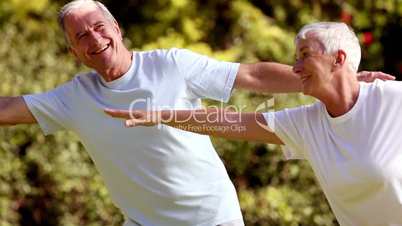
{"x": 14, "y": 112}
{"x": 248, "y": 78}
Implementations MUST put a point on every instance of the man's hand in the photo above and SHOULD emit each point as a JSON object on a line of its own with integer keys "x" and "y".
{"x": 370, "y": 76}
{"x": 137, "y": 117}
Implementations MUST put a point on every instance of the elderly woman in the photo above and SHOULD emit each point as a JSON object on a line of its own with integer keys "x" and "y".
{"x": 351, "y": 136}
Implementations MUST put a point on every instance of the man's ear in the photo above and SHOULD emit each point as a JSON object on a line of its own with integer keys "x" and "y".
{"x": 117, "y": 29}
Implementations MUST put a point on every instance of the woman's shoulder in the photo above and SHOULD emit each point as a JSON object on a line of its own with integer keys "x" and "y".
{"x": 386, "y": 87}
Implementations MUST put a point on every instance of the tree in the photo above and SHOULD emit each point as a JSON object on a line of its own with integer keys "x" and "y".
{"x": 52, "y": 181}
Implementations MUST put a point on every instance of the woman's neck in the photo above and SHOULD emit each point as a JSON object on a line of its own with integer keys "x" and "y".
{"x": 341, "y": 94}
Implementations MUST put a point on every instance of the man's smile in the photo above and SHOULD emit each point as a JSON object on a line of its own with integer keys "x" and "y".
{"x": 100, "y": 50}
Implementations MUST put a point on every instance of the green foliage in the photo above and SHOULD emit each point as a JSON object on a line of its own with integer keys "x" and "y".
{"x": 52, "y": 181}
{"x": 282, "y": 206}
{"x": 44, "y": 181}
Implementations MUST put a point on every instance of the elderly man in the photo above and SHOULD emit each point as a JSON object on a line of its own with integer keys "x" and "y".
{"x": 351, "y": 137}
{"x": 157, "y": 177}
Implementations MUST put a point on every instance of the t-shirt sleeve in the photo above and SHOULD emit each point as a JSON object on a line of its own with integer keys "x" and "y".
{"x": 51, "y": 109}
{"x": 390, "y": 88}
{"x": 288, "y": 125}
{"x": 206, "y": 77}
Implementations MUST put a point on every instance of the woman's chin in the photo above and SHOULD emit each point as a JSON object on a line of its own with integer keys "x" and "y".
{"x": 306, "y": 90}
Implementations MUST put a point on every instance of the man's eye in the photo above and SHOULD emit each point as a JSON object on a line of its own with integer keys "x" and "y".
{"x": 100, "y": 26}
{"x": 80, "y": 36}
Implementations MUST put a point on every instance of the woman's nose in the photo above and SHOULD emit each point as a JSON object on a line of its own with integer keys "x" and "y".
{"x": 297, "y": 67}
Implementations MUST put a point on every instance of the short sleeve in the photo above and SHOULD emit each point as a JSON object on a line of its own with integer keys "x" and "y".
{"x": 51, "y": 109}
{"x": 288, "y": 125}
{"x": 206, "y": 77}
{"x": 389, "y": 88}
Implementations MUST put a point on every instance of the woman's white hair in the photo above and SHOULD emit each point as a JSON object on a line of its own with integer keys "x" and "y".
{"x": 76, "y": 4}
{"x": 335, "y": 36}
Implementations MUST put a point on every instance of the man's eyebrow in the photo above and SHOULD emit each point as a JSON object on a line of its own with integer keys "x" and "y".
{"x": 98, "y": 22}
{"x": 81, "y": 32}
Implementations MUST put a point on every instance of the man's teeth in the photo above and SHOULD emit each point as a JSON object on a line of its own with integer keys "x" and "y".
{"x": 101, "y": 50}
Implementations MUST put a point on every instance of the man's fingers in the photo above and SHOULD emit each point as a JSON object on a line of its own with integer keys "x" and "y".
{"x": 133, "y": 118}
{"x": 384, "y": 76}
{"x": 117, "y": 113}
{"x": 370, "y": 76}
{"x": 130, "y": 123}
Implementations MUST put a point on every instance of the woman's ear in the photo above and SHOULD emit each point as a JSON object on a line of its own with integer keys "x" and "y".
{"x": 340, "y": 58}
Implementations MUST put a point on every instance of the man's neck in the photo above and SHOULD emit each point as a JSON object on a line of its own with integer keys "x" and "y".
{"x": 113, "y": 73}
{"x": 341, "y": 95}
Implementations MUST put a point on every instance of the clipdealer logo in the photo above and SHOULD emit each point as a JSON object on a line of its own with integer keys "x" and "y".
{"x": 212, "y": 115}
{"x": 267, "y": 107}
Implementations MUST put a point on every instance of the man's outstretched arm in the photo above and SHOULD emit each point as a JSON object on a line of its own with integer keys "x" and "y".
{"x": 214, "y": 122}
{"x": 273, "y": 77}
{"x": 13, "y": 110}
{"x": 267, "y": 77}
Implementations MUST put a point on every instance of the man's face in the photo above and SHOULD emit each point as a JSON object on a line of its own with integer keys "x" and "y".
{"x": 95, "y": 40}
{"x": 312, "y": 65}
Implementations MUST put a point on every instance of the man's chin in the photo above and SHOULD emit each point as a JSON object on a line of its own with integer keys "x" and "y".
{"x": 100, "y": 64}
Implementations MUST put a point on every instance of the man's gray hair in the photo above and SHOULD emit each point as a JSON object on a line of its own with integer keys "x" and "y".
{"x": 76, "y": 4}
{"x": 335, "y": 36}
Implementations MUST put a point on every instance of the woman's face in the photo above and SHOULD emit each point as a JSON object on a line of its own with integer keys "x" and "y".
{"x": 313, "y": 65}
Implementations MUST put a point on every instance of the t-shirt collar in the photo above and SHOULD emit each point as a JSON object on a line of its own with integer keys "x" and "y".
{"x": 123, "y": 80}
{"x": 351, "y": 112}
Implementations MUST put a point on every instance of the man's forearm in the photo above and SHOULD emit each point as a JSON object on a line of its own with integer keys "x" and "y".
{"x": 273, "y": 77}
{"x": 268, "y": 77}
{"x": 213, "y": 122}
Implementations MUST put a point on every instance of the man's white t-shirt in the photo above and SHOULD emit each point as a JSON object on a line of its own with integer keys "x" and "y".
{"x": 156, "y": 175}
{"x": 357, "y": 157}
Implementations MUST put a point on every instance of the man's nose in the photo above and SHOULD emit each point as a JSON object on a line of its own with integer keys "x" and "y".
{"x": 95, "y": 36}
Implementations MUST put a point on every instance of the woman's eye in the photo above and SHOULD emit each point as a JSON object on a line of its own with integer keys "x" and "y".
{"x": 303, "y": 55}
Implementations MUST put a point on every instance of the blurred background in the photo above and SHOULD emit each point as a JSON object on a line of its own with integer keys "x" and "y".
{"x": 51, "y": 181}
